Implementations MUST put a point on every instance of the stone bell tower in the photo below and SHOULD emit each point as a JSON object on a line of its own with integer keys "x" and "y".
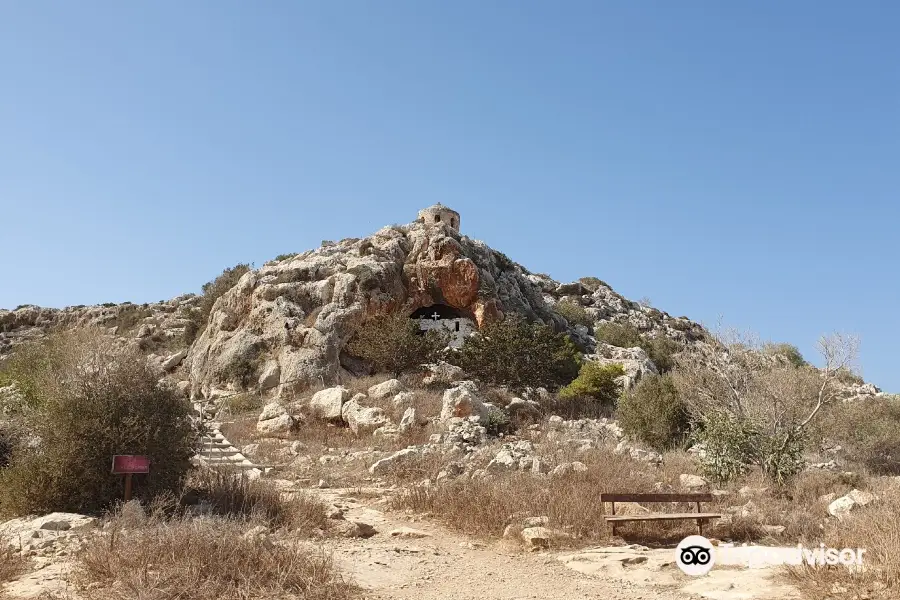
{"x": 438, "y": 214}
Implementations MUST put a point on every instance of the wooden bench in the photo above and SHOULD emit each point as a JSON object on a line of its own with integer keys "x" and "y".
{"x": 700, "y": 517}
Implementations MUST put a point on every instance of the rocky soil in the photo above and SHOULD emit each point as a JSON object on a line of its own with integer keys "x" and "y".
{"x": 391, "y": 555}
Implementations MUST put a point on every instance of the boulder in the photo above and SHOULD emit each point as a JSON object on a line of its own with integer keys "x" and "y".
{"x": 841, "y": 507}
{"x": 692, "y": 483}
{"x": 463, "y": 401}
{"x": 443, "y": 373}
{"x": 403, "y": 399}
{"x": 281, "y": 424}
{"x": 173, "y": 360}
{"x": 270, "y": 376}
{"x": 274, "y": 419}
{"x": 272, "y": 410}
{"x": 569, "y": 467}
{"x": 408, "y": 420}
{"x": 388, "y": 389}
{"x": 395, "y": 460}
{"x": 328, "y": 403}
{"x": 64, "y": 522}
{"x": 520, "y": 408}
{"x": 353, "y": 529}
{"x": 363, "y": 420}
{"x": 512, "y": 457}
{"x": 536, "y": 538}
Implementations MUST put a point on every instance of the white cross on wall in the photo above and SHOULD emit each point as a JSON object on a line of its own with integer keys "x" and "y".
{"x": 435, "y": 316}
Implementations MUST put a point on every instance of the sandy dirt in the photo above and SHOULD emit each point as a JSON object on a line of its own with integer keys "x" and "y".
{"x": 445, "y": 565}
{"x": 413, "y": 558}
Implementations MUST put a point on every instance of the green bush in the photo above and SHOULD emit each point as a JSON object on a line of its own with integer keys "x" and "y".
{"x": 573, "y": 313}
{"x": 653, "y": 413}
{"x": 519, "y": 354}
{"x": 243, "y": 370}
{"x": 394, "y": 344}
{"x": 662, "y": 350}
{"x": 618, "y": 334}
{"x": 95, "y": 400}
{"x": 788, "y": 351}
{"x": 729, "y": 447}
{"x": 592, "y": 394}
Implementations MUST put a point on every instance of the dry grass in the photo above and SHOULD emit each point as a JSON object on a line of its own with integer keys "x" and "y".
{"x": 258, "y": 502}
{"x": 484, "y": 507}
{"x": 11, "y": 563}
{"x": 209, "y": 559}
{"x": 799, "y": 506}
{"x": 875, "y": 528}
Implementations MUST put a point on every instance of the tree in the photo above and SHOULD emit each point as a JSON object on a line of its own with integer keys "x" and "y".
{"x": 394, "y": 343}
{"x": 519, "y": 354}
{"x": 733, "y": 379}
{"x": 94, "y": 399}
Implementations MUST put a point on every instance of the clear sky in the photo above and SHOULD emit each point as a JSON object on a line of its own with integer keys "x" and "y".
{"x": 725, "y": 159}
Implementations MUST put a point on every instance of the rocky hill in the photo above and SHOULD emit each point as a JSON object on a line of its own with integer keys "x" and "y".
{"x": 290, "y": 320}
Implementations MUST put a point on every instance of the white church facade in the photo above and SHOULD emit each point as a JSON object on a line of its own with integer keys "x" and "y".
{"x": 441, "y": 316}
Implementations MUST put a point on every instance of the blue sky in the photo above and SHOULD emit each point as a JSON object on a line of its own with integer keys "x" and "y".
{"x": 725, "y": 159}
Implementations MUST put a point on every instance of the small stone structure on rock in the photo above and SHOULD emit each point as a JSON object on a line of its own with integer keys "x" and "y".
{"x": 451, "y": 320}
{"x": 437, "y": 214}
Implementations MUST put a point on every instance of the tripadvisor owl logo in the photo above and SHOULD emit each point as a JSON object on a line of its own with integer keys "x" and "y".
{"x": 695, "y": 555}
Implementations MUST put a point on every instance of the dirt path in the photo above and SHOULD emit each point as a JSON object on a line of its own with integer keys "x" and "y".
{"x": 410, "y": 558}
{"x": 446, "y": 566}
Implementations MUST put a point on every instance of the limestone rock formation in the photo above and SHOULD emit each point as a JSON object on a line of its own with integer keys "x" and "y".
{"x": 300, "y": 312}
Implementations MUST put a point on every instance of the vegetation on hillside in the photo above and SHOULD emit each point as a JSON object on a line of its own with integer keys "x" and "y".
{"x": 393, "y": 343}
{"x": 90, "y": 399}
{"x": 518, "y": 354}
{"x": 212, "y": 291}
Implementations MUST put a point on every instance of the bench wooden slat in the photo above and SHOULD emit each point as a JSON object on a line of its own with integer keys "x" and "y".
{"x": 661, "y": 517}
{"x": 656, "y": 497}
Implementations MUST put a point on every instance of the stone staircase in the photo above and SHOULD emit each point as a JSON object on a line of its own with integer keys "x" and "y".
{"x": 216, "y": 452}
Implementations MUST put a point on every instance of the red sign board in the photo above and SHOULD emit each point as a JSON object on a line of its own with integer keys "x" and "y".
{"x": 127, "y": 463}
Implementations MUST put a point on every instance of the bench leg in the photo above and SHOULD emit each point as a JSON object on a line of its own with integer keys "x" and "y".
{"x": 700, "y": 526}
{"x": 613, "y": 529}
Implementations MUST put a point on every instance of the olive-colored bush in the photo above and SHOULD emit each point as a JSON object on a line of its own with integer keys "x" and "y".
{"x": 92, "y": 400}
{"x": 393, "y": 343}
{"x": 653, "y": 413}
{"x": 519, "y": 354}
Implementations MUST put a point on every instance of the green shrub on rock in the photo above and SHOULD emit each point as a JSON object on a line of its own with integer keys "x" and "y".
{"x": 573, "y": 313}
{"x": 592, "y": 394}
{"x": 653, "y": 413}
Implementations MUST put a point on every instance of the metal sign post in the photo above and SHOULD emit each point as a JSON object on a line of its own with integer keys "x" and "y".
{"x": 128, "y": 465}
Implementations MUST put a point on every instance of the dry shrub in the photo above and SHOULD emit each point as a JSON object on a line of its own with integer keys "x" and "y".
{"x": 875, "y": 528}
{"x": 12, "y": 564}
{"x": 244, "y": 403}
{"x": 361, "y": 385}
{"x": 798, "y": 506}
{"x": 484, "y": 506}
{"x": 209, "y": 559}
{"x": 258, "y": 501}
